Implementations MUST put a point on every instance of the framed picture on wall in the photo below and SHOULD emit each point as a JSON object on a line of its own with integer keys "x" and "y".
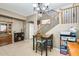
{"x": 46, "y": 21}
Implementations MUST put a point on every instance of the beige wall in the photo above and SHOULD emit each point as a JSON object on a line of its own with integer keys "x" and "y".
{"x": 11, "y": 14}
{"x": 31, "y": 18}
{"x": 56, "y": 32}
{"x": 16, "y": 24}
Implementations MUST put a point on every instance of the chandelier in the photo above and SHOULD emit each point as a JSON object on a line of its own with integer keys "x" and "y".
{"x": 41, "y": 8}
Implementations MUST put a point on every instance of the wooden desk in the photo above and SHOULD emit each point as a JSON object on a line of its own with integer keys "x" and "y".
{"x": 45, "y": 38}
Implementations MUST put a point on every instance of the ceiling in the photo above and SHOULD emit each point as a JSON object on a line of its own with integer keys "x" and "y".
{"x": 26, "y": 9}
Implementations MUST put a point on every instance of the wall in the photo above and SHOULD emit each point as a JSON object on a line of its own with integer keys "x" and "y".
{"x": 34, "y": 19}
{"x": 56, "y": 32}
{"x": 17, "y": 26}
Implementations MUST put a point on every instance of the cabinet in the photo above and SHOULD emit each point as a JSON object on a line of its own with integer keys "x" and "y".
{"x": 18, "y": 36}
{"x": 6, "y": 39}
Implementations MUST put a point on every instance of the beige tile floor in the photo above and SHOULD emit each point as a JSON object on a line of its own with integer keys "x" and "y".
{"x": 24, "y": 48}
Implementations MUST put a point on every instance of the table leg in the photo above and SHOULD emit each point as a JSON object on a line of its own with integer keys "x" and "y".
{"x": 33, "y": 43}
{"x": 52, "y": 44}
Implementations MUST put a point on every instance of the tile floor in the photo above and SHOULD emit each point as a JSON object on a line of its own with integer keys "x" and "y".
{"x": 24, "y": 48}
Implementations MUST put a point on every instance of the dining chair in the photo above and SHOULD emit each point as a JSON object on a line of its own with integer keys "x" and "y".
{"x": 39, "y": 42}
{"x": 50, "y": 42}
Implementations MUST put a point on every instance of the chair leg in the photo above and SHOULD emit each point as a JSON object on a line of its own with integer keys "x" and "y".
{"x": 51, "y": 44}
{"x": 36, "y": 47}
{"x": 50, "y": 49}
{"x": 41, "y": 49}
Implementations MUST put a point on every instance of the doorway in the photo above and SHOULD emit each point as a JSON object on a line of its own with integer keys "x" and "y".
{"x": 31, "y": 30}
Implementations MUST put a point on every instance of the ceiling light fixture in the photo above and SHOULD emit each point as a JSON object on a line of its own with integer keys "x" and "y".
{"x": 46, "y": 4}
{"x": 38, "y": 9}
{"x": 41, "y": 7}
{"x": 34, "y": 5}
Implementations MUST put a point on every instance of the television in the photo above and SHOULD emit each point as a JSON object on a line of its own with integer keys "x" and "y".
{"x": 3, "y": 28}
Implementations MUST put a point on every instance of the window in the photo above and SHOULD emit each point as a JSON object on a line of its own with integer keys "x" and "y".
{"x": 3, "y": 28}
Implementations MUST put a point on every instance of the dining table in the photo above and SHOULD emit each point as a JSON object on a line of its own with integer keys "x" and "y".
{"x": 45, "y": 37}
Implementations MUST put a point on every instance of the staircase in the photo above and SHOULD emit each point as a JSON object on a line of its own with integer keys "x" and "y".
{"x": 54, "y": 20}
{"x": 68, "y": 16}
